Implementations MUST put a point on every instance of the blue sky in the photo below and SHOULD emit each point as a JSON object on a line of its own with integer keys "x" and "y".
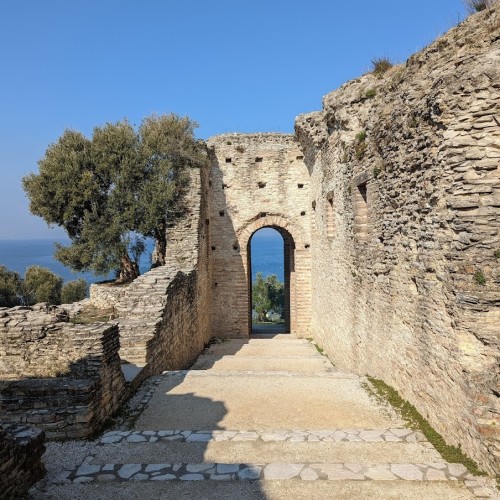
{"x": 234, "y": 66}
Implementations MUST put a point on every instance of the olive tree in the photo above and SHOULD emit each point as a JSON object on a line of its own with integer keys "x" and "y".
{"x": 10, "y": 288}
{"x": 113, "y": 190}
{"x": 41, "y": 285}
{"x": 268, "y": 294}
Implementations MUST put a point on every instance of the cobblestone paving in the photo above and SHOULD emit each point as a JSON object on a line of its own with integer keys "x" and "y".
{"x": 293, "y": 436}
{"x": 440, "y": 471}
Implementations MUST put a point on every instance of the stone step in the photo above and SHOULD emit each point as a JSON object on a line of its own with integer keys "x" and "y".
{"x": 262, "y": 340}
{"x": 267, "y": 490}
{"x": 435, "y": 471}
{"x": 263, "y": 363}
{"x": 207, "y": 399}
{"x": 395, "y": 435}
{"x": 264, "y": 452}
{"x": 276, "y": 337}
{"x": 334, "y": 374}
{"x": 269, "y": 349}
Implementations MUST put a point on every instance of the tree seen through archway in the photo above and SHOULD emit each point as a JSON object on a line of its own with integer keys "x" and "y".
{"x": 268, "y": 288}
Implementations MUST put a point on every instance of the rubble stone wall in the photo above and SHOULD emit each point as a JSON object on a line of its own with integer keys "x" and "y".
{"x": 61, "y": 377}
{"x": 163, "y": 314}
{"x": 106, "y": 295}
{"x": 405, "y": 176}
{"x": 256, "y": 181}
{"x": 21, "y": 450}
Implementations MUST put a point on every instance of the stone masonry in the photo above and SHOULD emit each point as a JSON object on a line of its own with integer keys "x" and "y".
{"x": 256, "y": 181}
{"x": 21, "y": 450}
{"x": 62, "y": 377}
{"x": 388, "y": 201}
{"x": 162, "y": 314}
{"x": 406, "y": 170}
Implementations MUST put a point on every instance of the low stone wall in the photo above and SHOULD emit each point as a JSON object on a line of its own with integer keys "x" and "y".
{"x": 21, "y": 450}
{"x": 178, "y": 342}
{"x": 162, "y": 336}
{"x": 62, "y": 377}
{"x": 105, "y": 295}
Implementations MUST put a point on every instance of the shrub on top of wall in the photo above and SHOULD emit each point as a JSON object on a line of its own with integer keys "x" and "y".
{"x": 380, "y": 66}
{"x": 473, "y": 6}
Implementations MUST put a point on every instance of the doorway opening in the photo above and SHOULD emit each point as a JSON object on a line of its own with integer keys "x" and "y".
{"x": 270, "y": 262}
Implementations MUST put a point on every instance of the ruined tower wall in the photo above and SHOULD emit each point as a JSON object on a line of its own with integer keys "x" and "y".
{"x": 163, "y": 314}
{"x": 256, "y": 180}
{"x": 405, "y": 175}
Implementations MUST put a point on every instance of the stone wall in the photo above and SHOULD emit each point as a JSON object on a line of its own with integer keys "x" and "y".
{"x": 64, "y": 378}
{"x": 21, "y": 450}
{"x": 405, "y": 177}
{"x": 256, "y": 180}
{"x": 67, "y": 378}
{"x": 106, "y": 295}
{"x": 163, "y": 314}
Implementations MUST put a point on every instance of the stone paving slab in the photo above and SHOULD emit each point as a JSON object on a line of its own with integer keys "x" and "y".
{"x": 438, "y": 471}
{"x": 263, "y": 452}
{"x": 294, "y": 436}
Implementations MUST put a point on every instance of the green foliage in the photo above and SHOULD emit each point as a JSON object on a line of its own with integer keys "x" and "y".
{"x": 361, "y": 136}
{"x": 268, "y": 294}
{"x": 496, "y": 254}
{"x": 73, "y": 291}
{"x": 415, "y": 420}
{"x": 319, "y": 349}
{"x": 41, "y": 285}
{"x": 480, "y": 278}
{"x": 380, "y": 66}
{"x": 10, "y": 288}
{"x": 360, "y": 145}
{"x": 370, "y": 94}
{"x": 240, "y": 148}
{"x": 111, "y": 191}
{"x": 473, "y": 6}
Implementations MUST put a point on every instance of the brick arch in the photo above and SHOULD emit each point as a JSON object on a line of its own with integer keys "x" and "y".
{"x": 256, "y": 181}
{"x": 296, "y": 268}
{"x": 278, "y": 222}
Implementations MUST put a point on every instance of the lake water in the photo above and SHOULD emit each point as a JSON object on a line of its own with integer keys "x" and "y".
{"x": 17, "y": 255}
{"x": 267, "y": 253}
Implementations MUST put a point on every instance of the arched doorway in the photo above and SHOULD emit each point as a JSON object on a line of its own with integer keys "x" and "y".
{"x": 270, "y": 251}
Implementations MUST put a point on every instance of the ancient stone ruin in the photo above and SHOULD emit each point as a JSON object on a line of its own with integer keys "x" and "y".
{"x": 388, "y": 201}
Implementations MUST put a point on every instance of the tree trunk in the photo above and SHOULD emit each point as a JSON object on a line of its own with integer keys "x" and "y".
{"x": 129, "y": 270}
{"x": 160, "y": 252}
